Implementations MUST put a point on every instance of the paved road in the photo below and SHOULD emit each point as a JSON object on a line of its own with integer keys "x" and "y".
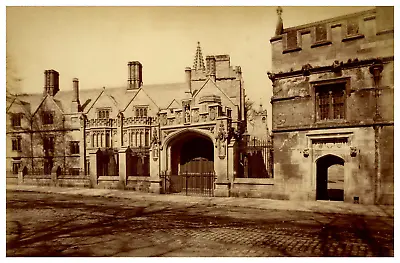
{"x": 43, "y": 224}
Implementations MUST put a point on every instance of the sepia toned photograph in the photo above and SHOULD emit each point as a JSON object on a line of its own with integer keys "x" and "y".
{"x": 199, "y": 131}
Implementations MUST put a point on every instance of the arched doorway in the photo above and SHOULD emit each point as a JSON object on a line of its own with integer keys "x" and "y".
{"x": 330, "y": 178}
{"x": 190, "y": 164}
{"x": 191, "y": 152}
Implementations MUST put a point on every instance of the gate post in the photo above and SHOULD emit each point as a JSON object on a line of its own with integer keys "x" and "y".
{"x": 21, "y": 175}
{"x": 154, "y": 159}
{"x": 55, "y": 172}
{"x": 93, "y": 168}
{"x": 123, "y": 166}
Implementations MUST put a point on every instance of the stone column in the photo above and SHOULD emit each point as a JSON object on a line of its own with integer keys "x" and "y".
{"x": 82, "y": 146}
{"x": 122, "y": 153}
{"x": 93, "y": 169}
{"x": 155, "y": 160}
{"x": 155, "y": 181}
{"x": 120, "y": 117}
{"x": 230, "y": 161}
{"x": 222, "y": 183}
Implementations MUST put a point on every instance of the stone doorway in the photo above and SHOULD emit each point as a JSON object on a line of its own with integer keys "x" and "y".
{"x": 330, "y": 178}
{"x": 191, "y": 169}
{"x": 192, "y": 153}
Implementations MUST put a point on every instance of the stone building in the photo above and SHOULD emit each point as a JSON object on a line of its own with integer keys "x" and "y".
{"x": 332, "y": 108}
{"x": 129, "y": 137}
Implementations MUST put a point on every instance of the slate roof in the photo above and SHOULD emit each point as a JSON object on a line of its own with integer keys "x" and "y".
{"x": 161, "y": 94}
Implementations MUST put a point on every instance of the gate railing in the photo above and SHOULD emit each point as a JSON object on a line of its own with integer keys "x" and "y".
{"x": 254, "y": 158}
{"x": 188, "y": 183}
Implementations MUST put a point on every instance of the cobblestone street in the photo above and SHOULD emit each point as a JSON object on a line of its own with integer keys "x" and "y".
{"x": 43, "y": 224}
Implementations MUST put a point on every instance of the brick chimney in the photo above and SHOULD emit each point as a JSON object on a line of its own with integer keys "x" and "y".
{"x": 76, "y": 106}
{"x": 51, "y": 86}
{"x": 134, "y": 75}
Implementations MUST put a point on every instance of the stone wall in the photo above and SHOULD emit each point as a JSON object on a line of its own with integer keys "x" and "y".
{"x": 339, "y": 51}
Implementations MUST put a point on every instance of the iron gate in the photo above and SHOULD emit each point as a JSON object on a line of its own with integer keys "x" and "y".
{"x": 188, "y": 183}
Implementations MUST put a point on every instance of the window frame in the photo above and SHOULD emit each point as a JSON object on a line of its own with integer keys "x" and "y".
{"x": 14, "y": 117}
{"x": 103, "y": 113}
{"x": 46, "y": 140}
{"x": 48, "y": 117}
{"x": 315, "y": 85}
{"x": 141, "y": 111}
{"x": 74, "y": 147}
{"x": 16, "y": 144}
{"x": 17, "y": 165}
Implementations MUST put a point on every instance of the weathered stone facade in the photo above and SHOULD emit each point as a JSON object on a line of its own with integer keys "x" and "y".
{"x": 332, "y": 106}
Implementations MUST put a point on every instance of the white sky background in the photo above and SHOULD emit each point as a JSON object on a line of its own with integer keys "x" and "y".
{"x": 94, "y": 44}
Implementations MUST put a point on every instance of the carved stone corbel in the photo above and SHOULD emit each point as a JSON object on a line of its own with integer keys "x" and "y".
{"x": 337, "y": 67}
{"x": 306, "y": 69}
{"x": 306, "y": 152}
{"x": 353, "y": 151}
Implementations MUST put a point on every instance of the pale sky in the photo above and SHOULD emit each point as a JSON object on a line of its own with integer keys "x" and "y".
{"x": 94, "y": 44}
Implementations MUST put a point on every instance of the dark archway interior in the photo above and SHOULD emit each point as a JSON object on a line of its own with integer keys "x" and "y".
{"x": 192, "y": 153}
{"x": 330, "y": 178}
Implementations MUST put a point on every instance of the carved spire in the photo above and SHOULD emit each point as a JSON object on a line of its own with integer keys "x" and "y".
{"x": 198, "y": 63}
{"x": 279, "y": 25}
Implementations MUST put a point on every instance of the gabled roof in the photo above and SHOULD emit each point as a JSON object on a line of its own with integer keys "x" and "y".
{"x": 133, "y": 98}
{"x": 11, "y": 100}
{"x": 210, "y": 80}
{"x": 163, "y": 94}
{"x": 51, "y": 99}
{"x": 173, "y": 102}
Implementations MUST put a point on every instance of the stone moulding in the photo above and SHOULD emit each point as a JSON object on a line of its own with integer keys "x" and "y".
{"x": 351, "y": 63}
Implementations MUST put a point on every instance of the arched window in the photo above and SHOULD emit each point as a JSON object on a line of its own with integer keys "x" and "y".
{"x": 137, "y": 112}
{"x": 145, "y": 112}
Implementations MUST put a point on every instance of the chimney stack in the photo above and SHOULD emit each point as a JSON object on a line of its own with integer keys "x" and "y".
{"x": 51, "y": 85}
{"x": 211, "y": 71}
{"x": 76, "y": 106}
{"x": 134, "y": 75}
{"x": 188, "y": 78}
{"x": 238, "y": 71}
